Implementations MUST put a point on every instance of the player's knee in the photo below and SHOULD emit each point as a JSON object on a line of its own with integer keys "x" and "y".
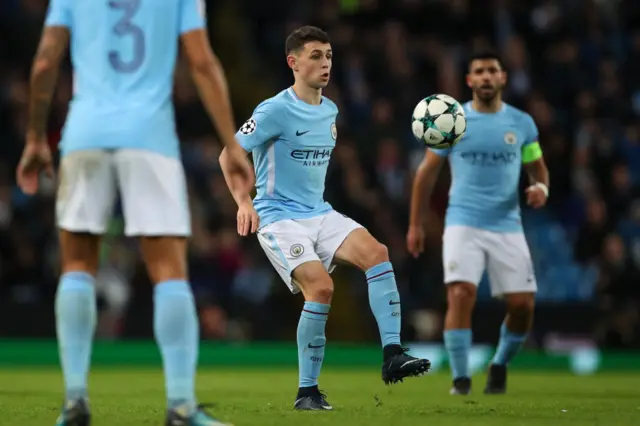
{"x": 461, "y": 294}
{"x": 79, "y": 252}
{"x": 322, "y": 293}
{"x": 165, "y": 258}
{"x": 521, "y": 305}
{"x": 316, "y": 286}
{"x": 375, "y": 255}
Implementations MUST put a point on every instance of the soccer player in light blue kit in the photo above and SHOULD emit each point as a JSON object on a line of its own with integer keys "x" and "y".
{"x": 292, "y": 136}
{"x": 120, "y": 136}
{"x": 483, "y": 228}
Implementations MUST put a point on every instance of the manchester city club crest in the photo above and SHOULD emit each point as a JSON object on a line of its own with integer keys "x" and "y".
{"x": 334, "y": 131}
{"x": 296, "y": 250}
{"x": 510, "y": 138}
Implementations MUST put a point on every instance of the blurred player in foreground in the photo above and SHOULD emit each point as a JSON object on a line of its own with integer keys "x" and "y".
{"x": 291, "y": 137}
{"x": 120, "y": 136}
{"x": 483, "y": 227}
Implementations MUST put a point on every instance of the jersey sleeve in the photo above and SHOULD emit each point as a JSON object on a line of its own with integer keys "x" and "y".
{"x": 531, "y": 150}
{"x": 58, "y": 14}
{"x": 263, "y": 126}
{"x": 530, "y": 130}
{"x": 193, "y": 15}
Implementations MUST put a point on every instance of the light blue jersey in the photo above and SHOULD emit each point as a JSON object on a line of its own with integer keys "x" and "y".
{"x": 485, "y": 169}
{"x": 123, "y": 54}
{"x": 291, "y": 142}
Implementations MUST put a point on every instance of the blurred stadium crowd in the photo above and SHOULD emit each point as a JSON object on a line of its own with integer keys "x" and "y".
{"x": 573, "y": 64}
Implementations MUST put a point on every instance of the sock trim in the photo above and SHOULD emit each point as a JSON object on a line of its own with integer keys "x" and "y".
{"x": 172, "y": 287}
{"x": 315, "y": 313}
{"x": 82, "y": 276}
{"x": 380, "y": 275}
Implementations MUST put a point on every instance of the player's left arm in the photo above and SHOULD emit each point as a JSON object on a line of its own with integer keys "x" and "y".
{"x": 533, "y": 161}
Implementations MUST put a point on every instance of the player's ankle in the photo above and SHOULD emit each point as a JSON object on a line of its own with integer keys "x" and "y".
{"x": 307, "y": 391}
{"x": 391, "y": 350}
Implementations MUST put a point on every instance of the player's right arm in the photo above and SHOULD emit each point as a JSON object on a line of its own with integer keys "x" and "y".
{"x": 209, "y": 78}
{"x": 44, "y": 77}
{"x": 423, "y": 183}
{"x": 264, "y": 126}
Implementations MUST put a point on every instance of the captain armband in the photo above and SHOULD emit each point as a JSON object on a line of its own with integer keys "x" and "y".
{"x": 531, "y": 152}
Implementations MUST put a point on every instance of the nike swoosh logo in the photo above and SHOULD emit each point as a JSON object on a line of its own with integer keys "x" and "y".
{"x": 299, "y": 133}
{"x": 315, "y": 347}
{"x": 391, "y": 302}
{"x": 409, "y": 362}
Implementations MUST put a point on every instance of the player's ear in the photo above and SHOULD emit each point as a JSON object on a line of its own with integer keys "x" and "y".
{"x": 292, "y": 61}
{"x": 468, "y": 80}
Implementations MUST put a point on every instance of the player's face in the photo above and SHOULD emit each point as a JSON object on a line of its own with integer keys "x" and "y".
{"x": 486, "y": 78}
{"x": 313, "y": 64}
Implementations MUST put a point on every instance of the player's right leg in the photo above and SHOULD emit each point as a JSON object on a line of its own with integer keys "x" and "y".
{"x": 154, "y": 198}
{"x": 290, "y": 249}
{"x": 85, "y": 198}
{"x": 464, "y": 263}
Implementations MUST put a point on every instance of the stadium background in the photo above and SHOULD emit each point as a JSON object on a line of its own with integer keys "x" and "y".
{"x": 573, "y": 65}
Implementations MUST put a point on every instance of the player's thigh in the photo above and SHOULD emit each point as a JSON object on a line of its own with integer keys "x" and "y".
{"x": 463, "y": 255}
{"x": 85, "y": 198}
{"x": 289, "y": 244}
{"x": 509, "y": 265}
{"x": 86, "y": 191}
{"x": 154, "y": 195}
{"x": 343, "y": 240}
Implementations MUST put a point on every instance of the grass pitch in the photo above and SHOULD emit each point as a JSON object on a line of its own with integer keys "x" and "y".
{"x": 265, "y": 398}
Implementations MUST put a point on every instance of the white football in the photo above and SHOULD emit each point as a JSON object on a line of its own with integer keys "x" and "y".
{"x": 438, "y": 121}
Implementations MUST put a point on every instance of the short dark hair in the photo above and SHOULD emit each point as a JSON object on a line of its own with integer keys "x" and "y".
{"x": 304, "y": 35}
{"x": 485, "y": 54}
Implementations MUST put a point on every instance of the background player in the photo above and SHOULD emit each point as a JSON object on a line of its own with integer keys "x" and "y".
{"x": 483, "y": 227}
{"x": 291, "y": 137}
{"x": 120, "y": 134}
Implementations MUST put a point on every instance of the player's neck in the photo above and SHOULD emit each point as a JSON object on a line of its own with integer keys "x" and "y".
{"x": 307, "y": 94}
{"x": 493, "y": 106}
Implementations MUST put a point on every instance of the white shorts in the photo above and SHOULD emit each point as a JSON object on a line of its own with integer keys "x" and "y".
{"x": 468, "y": 251}
{"x": 290, "y": 243}
{"x": 152, "y": 187}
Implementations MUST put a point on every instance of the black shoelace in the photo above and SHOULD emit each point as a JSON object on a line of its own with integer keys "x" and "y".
{"x": 320, "y": 397}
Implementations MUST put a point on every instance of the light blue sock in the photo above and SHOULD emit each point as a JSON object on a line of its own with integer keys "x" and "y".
{"x": 384, "y": 300}
{"x": 75, "y": 325}
{"x": 508, "y": 346}
{"x": 175, "y": 325}
{"x": 458, "y": 344}
{"x": 311, "y": 342}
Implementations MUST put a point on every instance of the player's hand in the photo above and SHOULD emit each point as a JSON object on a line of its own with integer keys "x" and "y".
{"x": 36, "y": 158}
{"x": 248, "y": 219}
{"x": 240, "y": 167}
{"x": 536, "y": 196}
{"x": 415, "y": 240}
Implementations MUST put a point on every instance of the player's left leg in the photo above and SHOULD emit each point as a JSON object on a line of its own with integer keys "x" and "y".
{"x": 511, "y": 274}
{"x": 343, "y": 240}
{"x": 513, "y": 333}
{"x": 154, "y": 198}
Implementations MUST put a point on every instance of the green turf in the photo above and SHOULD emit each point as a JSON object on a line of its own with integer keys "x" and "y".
{"x": 135, "y": 397}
